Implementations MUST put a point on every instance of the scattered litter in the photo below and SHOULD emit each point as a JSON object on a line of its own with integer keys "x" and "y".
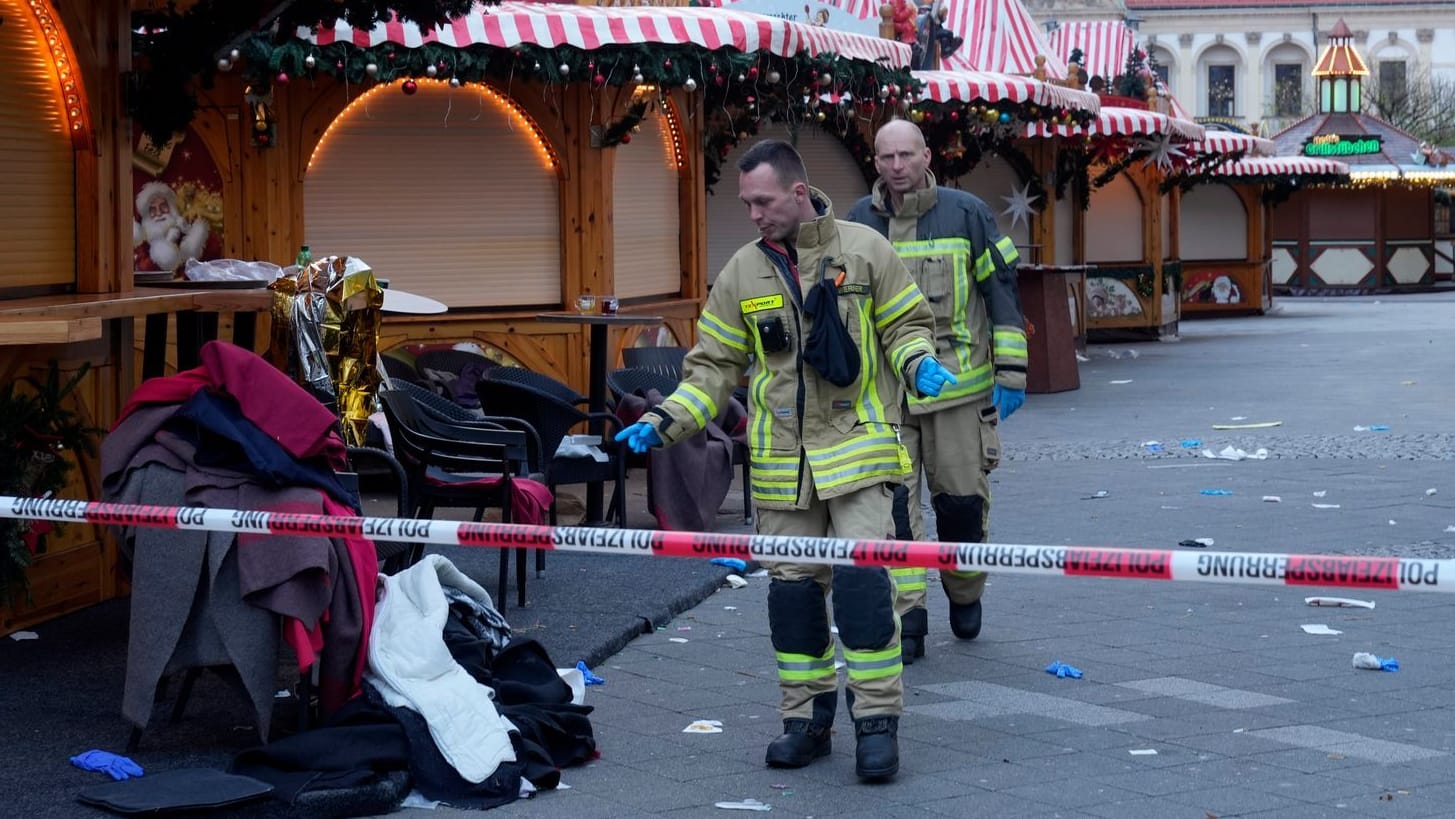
{"x": 113, "y": 765}
{"x": 729, "y": 608}
{"x": 759, "y": 573}
{"x": 1372, "y": 428}
{"x": 1407, "y": 383}
{"x": 1098, "y": 494}
{"x": 1347, "y": 602}
{"x": 733, "y": 563}
{"x": 1392, "y": 523}
{"x": 779, "y": 786}
{"x": 24, "y": 635}
{"x": 684, "y": 628}
{"x": 415, "y": 799}
{"x": 1191, "y": 443}
{"x": 1321, "y": 493}
{"x": 1430, "y": 491}
{"x": 1143, "y": 751}
{"x": 1134, "y": 354}
{"x": 1175, "y": 508}
{"x": 1325, "y": 505}
{"x": 1238, "y": 418}
{"x": 1319, "y": 628}
{"x": 1154, "y": 446}
{"x": 746, "y": 804}
{"x": 1082, "y": 358}
{"x": 1232, "y": 453}
{"x": 1217, "y": 492}
{"x": 1196, "y": 543}
{"x": 1255, "y": 425}
{"x": 1450, "y": 528}
{"x": 737, "y": 582}
{"x": 1121, "y": 381}
{"x": 1272, "y": 499}
{"x": 1062, "y": 670}
{"x": 676, "y": 639}
{"x": 282, "y": 694}
{"x": 591, "y": 679}
{"x": 1366, "y": 660}
{"x": 704, "y": 726}
{"x": 1239, "y": 730}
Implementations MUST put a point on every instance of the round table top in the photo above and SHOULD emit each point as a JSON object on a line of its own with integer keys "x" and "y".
{"x": 599, "y": 318}
{"x": 402, "y": 301}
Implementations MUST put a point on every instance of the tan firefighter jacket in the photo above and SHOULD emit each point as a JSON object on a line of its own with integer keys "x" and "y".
{"x": 967, "y": 270}
{"x": 846, "y": 436}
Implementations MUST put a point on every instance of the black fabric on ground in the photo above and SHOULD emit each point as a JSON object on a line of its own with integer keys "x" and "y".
{"x": 183, "y": 789}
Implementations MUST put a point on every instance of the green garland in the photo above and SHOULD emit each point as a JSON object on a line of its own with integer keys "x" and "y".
{"x": 1202, "y": 170}
{"x": 36, "y": 430}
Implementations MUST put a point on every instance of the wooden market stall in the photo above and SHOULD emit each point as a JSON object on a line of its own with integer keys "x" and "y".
{"x": 1376, "y": 233}
{"x": 1224, "y": 243}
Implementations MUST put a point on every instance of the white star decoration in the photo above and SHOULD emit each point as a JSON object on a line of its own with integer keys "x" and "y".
{"x": 1019, "y": 205}
{"x": 1160, "y": 151}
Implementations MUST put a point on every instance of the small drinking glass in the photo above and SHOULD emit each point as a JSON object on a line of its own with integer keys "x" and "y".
{"x": 586, "y": 303}
{"x": 609, "y": 305}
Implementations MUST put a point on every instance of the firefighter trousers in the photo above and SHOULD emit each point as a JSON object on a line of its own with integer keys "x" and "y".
{"x": 954, "y": 451}
{"x": 863, "y": 601}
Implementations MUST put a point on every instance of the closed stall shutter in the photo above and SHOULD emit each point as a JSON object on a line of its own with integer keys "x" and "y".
{"x": 37, "y": 165}
{"x": 991, "y": 179}
{"x": 1065, "y": 230}
{"x": 831, "y": 169}
{"x": 1214, "y": 224}
{"x": 445, "y": 192}
{"x": 647, "y": 250}
{"x": 1114, "y": 222}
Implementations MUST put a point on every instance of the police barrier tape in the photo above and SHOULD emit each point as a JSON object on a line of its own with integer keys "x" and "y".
{"x": 1081, "y": 561}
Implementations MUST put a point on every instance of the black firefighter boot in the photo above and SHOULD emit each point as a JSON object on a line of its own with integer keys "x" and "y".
{"x": 965, "y": 620}
{"x": 914, "y": 627}
{"x": 877, "y": 756}
{"x": 805, "y": 740}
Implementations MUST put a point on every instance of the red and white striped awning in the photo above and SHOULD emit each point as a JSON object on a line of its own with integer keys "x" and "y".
{"x": 1000, "y": 36}
{"x": 1104, "y": 45}
{"x": 1271, "y": 166}
{"x": 550, "y": 25}
{"x": 1230, "y": 142}
{"x": 981, "y": 86}
{"x": 1116, "y": 121}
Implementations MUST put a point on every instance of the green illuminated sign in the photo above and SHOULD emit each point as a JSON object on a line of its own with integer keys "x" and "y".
{"x": 1337, "y": 145}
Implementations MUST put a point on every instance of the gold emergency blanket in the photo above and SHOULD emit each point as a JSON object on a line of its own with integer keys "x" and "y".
{"x": 326, "y": 336}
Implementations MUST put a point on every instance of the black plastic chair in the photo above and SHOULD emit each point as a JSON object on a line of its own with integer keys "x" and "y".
{"x": 448, "y": 472}
{"x": 434, "y": 404}
{"x": 441, "y": 368}
{"x": 398, "y": 368}
{"x": 553, "y": 417}
{"x": 539, "y": 382}
{"x": 664, "y": 360}
{"x": 393, "y": 555}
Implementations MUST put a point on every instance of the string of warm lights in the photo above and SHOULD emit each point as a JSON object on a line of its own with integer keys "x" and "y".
{"x": 518, "y": 115}
{"x": 674, "y": 134}
{"x": 72, "y": 93}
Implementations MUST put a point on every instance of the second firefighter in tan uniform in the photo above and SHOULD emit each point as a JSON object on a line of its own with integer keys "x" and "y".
{"x": 967, "y": 270}
{"x": 834, "y": 327}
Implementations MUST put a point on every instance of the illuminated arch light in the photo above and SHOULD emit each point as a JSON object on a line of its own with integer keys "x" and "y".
{"x": 512, "y": 109}
{"x": 674, "y": 131}
{"x": 62, "y": 57}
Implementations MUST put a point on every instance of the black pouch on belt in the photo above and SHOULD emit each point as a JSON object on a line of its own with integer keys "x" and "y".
{"x": 829, "y": 347}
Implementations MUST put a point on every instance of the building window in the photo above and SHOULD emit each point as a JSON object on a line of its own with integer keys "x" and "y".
{"x": 1161, "y": 71}
{"x": 1393, "y": 82}
{"x": 1288, "y": 89}
{"x": 1220, "y": 90}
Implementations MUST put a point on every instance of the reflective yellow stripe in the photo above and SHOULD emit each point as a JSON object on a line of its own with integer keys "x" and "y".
{"x": 774, "y": 477}
{"x": 897, "y": 306}
{"x": 760, "y": 436}
{"x": 804, "y": 666}
{"x": 873, "y": 665}
{"x": 1007, "y": 251}
{"x": 1010, "y": 342}
{"x": 922, "y": 248}
{"x": 911, "y": 579}
{"x": 973, "y": 381}
{"x": 869, "y": 408}
{"x": 697, "y": 402}
{"x": 984, "y": 266}
{"x": 899, "y": 356}
{"x": 722, "y": 331}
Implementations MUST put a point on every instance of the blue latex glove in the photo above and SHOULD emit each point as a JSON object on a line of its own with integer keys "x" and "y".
{"x": 1007, "y": 399}
{"x": 591, "y": 679}
{"x": 640, "y": 436}
{"x": 930, "y": 377}
{"x": 1062, "y": 670}
{"x": 116, "y": 767}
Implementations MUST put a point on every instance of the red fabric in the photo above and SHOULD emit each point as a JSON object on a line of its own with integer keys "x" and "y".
{"x": 365, "y": 559}
{"x": 530, "y": 501}
{"x": 267, "y": 397}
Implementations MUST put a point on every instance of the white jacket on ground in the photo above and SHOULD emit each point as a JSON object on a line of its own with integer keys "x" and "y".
{"x": 412, "y": 668}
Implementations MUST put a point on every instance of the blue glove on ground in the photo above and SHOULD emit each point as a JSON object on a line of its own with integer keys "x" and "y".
{"x": 1063, "y": 670}
{"x": 640, "y": 436}
{"x": 591, "y": 679}
{"x": 930, "y": 377}
{"x": 1007, "y": 399}
{"x": 116, "y": 767}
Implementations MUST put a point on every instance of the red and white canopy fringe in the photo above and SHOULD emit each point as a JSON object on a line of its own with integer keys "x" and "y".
{"x": 1000, "y": 36}
{"x": 591, "y": 27}
{"x": 981, "y": 86}
{"x": 1115, "y": 121}
{"x": 1104, "y": 45}
{"x": 1274, "y": 166}
{"x": 1229, "y": 142}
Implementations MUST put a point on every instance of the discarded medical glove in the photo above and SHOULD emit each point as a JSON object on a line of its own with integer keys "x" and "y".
{"x": 591, "y": 679}
{"x": 640, "y": 436}
{"x": 116, "y": 767}
{"x": 1366, "y": 660}
{"x": 1063, "y": 670}
{"x": 1007, "y": 399}
{"x": 930, "y": 377}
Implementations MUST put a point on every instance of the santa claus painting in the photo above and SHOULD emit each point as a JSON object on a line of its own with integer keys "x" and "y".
{"x": 178, "y": 205}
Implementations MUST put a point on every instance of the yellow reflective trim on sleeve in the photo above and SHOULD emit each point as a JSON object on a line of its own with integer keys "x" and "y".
{"x": 760, "y": 303}
{"x": 697, "y": 402}
{"x": 717, "y": 328}
{"x": 1008, "y": 251}
{"x": 901, "y": 303}
{"x": 973, "y": 381}
{"x": 984, "y": 266}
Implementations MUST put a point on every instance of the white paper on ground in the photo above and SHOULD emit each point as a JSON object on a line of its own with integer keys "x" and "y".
{"x": 746, "y": 804}
{"x": 415, "y": 799}
{"x": 1272, "y": 499}
{"x": 1122, "y": 381}
{"x": 24, "y": 635}
{"x": 577, "y": 682}
{"x": 736, "y": 581}
{"x": 1339, "y": 601}
{"x": 1256, "y": 425}
{"x": 704, "y": 726}
{"x": 1321, "y": 493}
{"x": 1319, "y": 628}
{"x": 1232, "y": 453}
{"x": 1143, "y": 752}
{"x": 1325, "y": 506}
{"x": 676, "y": 639}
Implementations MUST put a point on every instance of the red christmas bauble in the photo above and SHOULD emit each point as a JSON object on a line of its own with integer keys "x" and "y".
{"x": 410, "y": 86}
{"x": 667, "y": 64}
{"x": 282, "y": 78}
{"x": 626, "y": 139}
{"x": 598, "y": 80}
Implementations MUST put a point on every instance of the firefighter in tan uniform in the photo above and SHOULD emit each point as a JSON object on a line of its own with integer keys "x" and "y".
{"x": 835, "y": 326}
{"x": 966, "y": 269}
